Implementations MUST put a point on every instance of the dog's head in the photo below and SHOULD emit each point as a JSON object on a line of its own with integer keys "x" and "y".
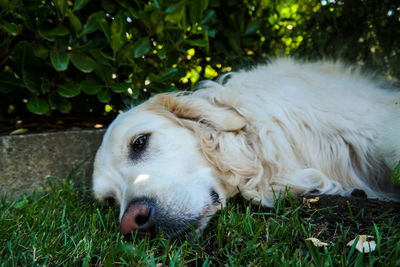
{"x": 158, "y": 162}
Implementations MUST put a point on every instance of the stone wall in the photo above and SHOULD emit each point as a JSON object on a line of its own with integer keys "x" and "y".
{"x": 26, "y": 161}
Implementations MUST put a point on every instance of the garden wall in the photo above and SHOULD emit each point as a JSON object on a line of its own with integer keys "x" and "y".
{"x": 26, "y": 161}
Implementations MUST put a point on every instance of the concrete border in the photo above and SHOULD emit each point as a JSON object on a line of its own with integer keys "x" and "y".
{"x": 26, "y": 161}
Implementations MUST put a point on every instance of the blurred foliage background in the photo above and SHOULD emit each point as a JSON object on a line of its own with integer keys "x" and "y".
{"x": 84, "y": 59}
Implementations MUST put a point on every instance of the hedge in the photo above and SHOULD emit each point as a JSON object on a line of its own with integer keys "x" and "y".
{"x": 95, "y": 57}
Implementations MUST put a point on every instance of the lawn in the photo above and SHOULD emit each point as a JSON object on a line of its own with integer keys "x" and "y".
{"x": 63, "y": 225}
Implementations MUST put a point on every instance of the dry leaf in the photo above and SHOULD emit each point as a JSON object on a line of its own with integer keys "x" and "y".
{"x": 309, "y": 201}
{"x": 318, "y": 243}
{"x": 363, "y": 245}
{"x": 19, "y": 131}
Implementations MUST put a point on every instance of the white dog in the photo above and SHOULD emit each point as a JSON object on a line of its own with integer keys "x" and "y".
{"x": 318, "y": 127}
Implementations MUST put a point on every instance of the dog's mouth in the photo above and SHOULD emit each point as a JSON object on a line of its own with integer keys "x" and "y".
{"x": 172, "y": 227}
{"x": 146, "y": 216}
{"x": 190, "y": 226}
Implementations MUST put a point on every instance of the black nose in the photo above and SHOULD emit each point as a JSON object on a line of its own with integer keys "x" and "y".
{"x": 138, "y": 217}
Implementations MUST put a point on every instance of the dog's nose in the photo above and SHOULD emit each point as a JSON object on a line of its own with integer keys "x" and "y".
{"x": 138, "y": 217}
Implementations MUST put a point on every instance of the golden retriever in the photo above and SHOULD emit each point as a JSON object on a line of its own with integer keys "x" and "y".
{"x": 171, "y": 162}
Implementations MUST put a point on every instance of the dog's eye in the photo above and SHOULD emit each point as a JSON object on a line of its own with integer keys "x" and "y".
{"x": 139, "y": 143}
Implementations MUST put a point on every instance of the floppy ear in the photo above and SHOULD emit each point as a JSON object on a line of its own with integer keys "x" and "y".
{"x": 224, "y": 139}
{"x": 189, "y": 107}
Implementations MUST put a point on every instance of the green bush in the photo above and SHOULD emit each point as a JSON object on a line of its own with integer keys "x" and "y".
{"x": 360, "y": 31}
{"x": 83, "y": 57}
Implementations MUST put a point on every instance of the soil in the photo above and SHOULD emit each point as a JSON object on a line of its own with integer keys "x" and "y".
{"x": 332, "y": 215}
{"x": 333, "y": 218}
{"x": 356, "y": 213}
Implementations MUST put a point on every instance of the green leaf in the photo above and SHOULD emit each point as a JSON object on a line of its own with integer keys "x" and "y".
{"x": 50, "y": 35}
{"x": 135, "y": 92}
{"x": 108, "y": 5}
{"x": 174, "y": 8}
{"x": 8, "y": 83}
{"x": 199, "y": 42}
{"x": 74, "y": 20}
{"x": 133, "y": 13}
{"x": 58, "y": 102}
{"x": 38, "y": 105}
{"x": 82, "y": 61}
{"x": 120, "y": 87}
{"x": 100, "y": 57}
{"x": 157, "y": 23}
{"x": 162, "y": 89}
{"x": 91, "y": 86}
{"x": 162, "y": 53}
{"x": 10, "y": 27}
{"x": 117, "y": 34}
{"x": 94, "y": 44}
{"x": 58, "y": 31}
{"x": 61, "y": 6}
{"x": 104, "y": 73}
{"x": 176, "y": 14}
{"x": 104, "y": 96}
{"x": 40, "y": 51}
{"x": 141, "y": 47}
{"x": 156, "y": 3}
{"x": 59, "y": 59}
{"x": 196, "y": 10}
{"x": 171, "y": 74}
{"x": 102, "y": 23}
{"x": 79, "y": 4}
{"x": 124, "y": 56}
{"x": 69, "y": 89}
{"x": 253, "y": 26}
{"x": 45, "y": 86}
{"x": 64, "y": 106}
{"x": 233, "y": 40}
{"x": 32, "y": 81}
{"x": 107, "y": 56}
{"x": 21, "y": 54}
{"x": 91, "y": 25}
{"x": 209, "y": 16}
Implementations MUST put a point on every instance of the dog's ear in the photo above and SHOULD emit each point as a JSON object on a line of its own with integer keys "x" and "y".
{"x": 223, "y": 138}
{"x": 188, "y": 107}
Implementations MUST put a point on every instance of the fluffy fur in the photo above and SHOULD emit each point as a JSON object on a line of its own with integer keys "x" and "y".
{"x": 311, "y": 127}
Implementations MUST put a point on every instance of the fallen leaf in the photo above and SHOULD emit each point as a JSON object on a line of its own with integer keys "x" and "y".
{"x": 19, "y": 131}
{"x": 309, "y": 201}
{"x": 316, "y": 242}
{"x": 363, "y": 245}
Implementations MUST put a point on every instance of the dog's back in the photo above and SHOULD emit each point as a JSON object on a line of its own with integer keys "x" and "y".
{"x": 319, "y": 124}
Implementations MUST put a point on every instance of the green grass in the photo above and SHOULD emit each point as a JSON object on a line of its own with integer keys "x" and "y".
{"x": 64, "y": 225}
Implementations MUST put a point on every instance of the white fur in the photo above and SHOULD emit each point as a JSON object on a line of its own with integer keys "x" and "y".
{"x": 310, "y": 127}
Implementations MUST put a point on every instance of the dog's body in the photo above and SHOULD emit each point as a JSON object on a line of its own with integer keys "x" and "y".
{"x": 316, "y": 127}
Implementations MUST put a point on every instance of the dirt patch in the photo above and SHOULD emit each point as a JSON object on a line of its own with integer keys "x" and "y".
{"x": 356, "y": 214}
